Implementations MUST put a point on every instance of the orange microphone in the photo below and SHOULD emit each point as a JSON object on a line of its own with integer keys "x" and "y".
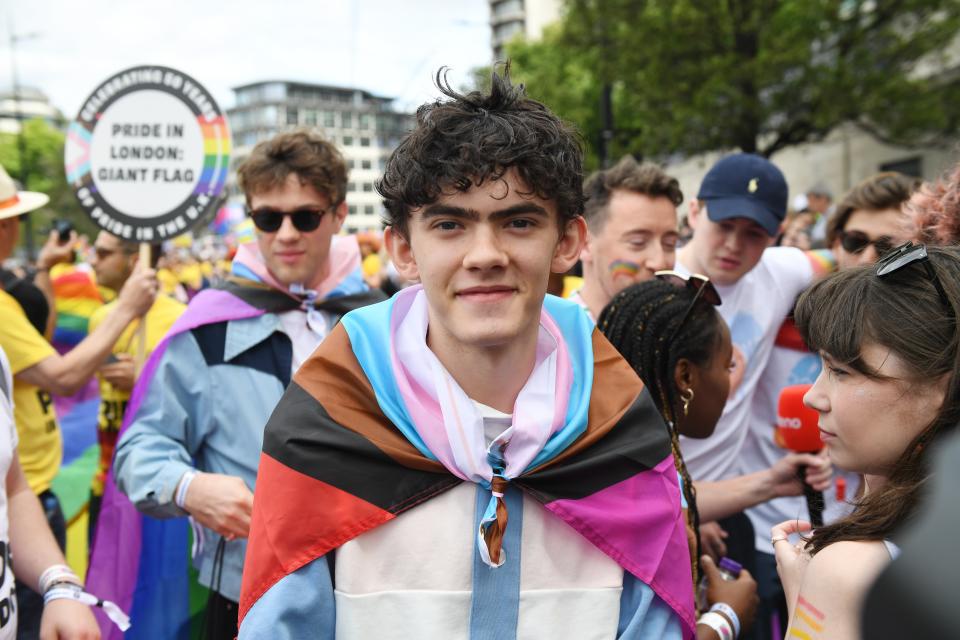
{"x": 797, "y": 431}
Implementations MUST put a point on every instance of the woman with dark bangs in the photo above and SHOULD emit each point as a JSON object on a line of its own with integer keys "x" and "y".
{"x": 889, "y": 390}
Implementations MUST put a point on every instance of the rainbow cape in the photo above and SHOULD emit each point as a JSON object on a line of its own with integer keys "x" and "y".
{"x": 142, "y": 563}
{"x": 342, "y": 435}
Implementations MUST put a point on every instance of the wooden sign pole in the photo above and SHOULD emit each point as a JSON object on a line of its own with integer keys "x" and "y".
{"x": 141, "y": 333}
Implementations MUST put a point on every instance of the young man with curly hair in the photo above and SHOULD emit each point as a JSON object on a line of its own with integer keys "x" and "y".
{"x": 470, "y": 459}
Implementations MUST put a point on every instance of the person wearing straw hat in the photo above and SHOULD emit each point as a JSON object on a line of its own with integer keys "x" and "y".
{"x": 39, "y": 371}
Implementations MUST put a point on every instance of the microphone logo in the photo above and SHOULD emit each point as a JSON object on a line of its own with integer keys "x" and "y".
{"x": 785, "y": 422}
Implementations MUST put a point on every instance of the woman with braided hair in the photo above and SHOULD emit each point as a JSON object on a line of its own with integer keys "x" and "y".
{"x": 676, "y": 341}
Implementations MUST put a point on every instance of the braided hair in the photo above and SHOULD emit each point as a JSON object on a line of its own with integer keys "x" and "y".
{"x": 639, "y": 322}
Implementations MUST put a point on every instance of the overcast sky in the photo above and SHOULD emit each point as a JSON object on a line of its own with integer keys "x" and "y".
{"x": 389, "y": 47}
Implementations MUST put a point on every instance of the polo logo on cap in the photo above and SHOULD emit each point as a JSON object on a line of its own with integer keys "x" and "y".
{"x": 753, "y": 185}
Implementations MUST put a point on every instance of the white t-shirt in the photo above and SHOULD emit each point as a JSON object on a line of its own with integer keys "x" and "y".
{"x": 754, "y": 308}
{"x": 8, "y": 445}
{"x": 306, "y": 332}
{"x": 787, "y": 366}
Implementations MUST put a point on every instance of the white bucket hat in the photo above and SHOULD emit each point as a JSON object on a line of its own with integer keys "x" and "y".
{"x": 13, "y": 202}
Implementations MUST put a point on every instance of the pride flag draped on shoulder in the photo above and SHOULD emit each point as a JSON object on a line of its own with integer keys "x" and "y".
{"x": 359, "y": 441}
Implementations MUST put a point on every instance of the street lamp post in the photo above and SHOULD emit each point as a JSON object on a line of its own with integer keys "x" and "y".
{"x": 21, "y": 141}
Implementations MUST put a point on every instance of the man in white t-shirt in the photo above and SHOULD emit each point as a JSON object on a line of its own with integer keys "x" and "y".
{"x": 24, "y": 533}
{"x": 735, "y": 219}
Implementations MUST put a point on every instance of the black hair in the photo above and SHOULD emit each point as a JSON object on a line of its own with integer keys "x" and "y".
{"x": 469, "y": 138}
{"x": 641, "y": 323}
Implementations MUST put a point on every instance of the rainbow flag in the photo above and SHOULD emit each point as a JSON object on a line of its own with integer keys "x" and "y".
{"x": 77, "y": 297}
{"x": 243, "y": 232}
{"x": 227, "y": 217}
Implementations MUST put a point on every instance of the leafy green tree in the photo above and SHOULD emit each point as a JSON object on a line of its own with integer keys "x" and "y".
{"x": 688, "y": 76}
{"x": 43, "y": 160}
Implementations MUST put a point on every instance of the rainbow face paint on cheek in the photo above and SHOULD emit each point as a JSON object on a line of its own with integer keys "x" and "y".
{"x": 624, "y": 268}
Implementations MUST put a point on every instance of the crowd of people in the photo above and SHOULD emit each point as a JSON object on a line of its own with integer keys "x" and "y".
{"x": 416, "y": 434}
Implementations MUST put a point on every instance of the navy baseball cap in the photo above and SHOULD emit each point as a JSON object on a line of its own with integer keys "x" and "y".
{"x": 746, "y": 185}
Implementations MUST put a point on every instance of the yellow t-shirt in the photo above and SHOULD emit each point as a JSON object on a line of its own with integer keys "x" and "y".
{"x": 113, "y": 401}
{"x": 41, "y": 448}
{"x": 168, "y": 281}
{"x": 372, "y": 265}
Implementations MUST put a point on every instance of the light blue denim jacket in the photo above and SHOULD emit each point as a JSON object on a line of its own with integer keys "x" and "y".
{"x": 205, "y": 409}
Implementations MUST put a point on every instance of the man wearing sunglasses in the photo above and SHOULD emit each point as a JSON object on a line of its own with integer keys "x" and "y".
{"x": 870, "y": 220}
{"x": 39, "y": 372}
{"x": 438, "y": 468}
{"x": 197, "y": 415}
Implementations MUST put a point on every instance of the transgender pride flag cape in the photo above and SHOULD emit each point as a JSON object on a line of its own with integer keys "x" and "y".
{"x": 342, "y": 436}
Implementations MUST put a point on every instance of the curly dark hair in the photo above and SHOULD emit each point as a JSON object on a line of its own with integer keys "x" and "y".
{"x": 314, "y": 159}
{"x": 904, "y": 313}
{"x": 638, "y": 322}
{"x": 460, "y": 142}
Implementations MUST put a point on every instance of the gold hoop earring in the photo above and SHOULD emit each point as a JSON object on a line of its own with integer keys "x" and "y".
{"x": 687, "y": 397}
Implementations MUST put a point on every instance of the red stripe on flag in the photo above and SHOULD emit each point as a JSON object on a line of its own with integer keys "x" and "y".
{"x": 297, "y": 519}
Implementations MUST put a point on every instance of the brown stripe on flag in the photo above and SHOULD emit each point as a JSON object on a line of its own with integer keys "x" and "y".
{"x": 615, "y": 389}
{"x": 333, "y": 376}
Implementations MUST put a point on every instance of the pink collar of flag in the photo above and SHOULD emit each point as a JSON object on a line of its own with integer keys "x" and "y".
{"x": 343, "y": 265}
{"x": 450, "y": 424}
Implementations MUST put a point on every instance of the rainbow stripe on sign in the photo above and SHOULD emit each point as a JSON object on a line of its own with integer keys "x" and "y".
{"x": 80, "y": 167}
{"x": 216, "y": 150}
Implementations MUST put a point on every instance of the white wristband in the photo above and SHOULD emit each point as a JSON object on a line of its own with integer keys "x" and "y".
{"x": 77, "y": 594}
{"x": 727, "y": 610}
{"x": 55, "y": 574}
{"x": 718, "y": 623}
{"x": 180, "y": 497}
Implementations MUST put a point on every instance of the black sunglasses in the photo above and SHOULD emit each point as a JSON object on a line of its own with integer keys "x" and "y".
{"x": 701, "y": 286}
{"x": 304, "y": 220}
{"x": 857, "y": 241}
{"x": 909, "y": 254}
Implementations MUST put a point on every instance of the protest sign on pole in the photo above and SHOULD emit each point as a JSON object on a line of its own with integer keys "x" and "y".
{"x": 147, "y": 157}
{"x": 148, "y": 154}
